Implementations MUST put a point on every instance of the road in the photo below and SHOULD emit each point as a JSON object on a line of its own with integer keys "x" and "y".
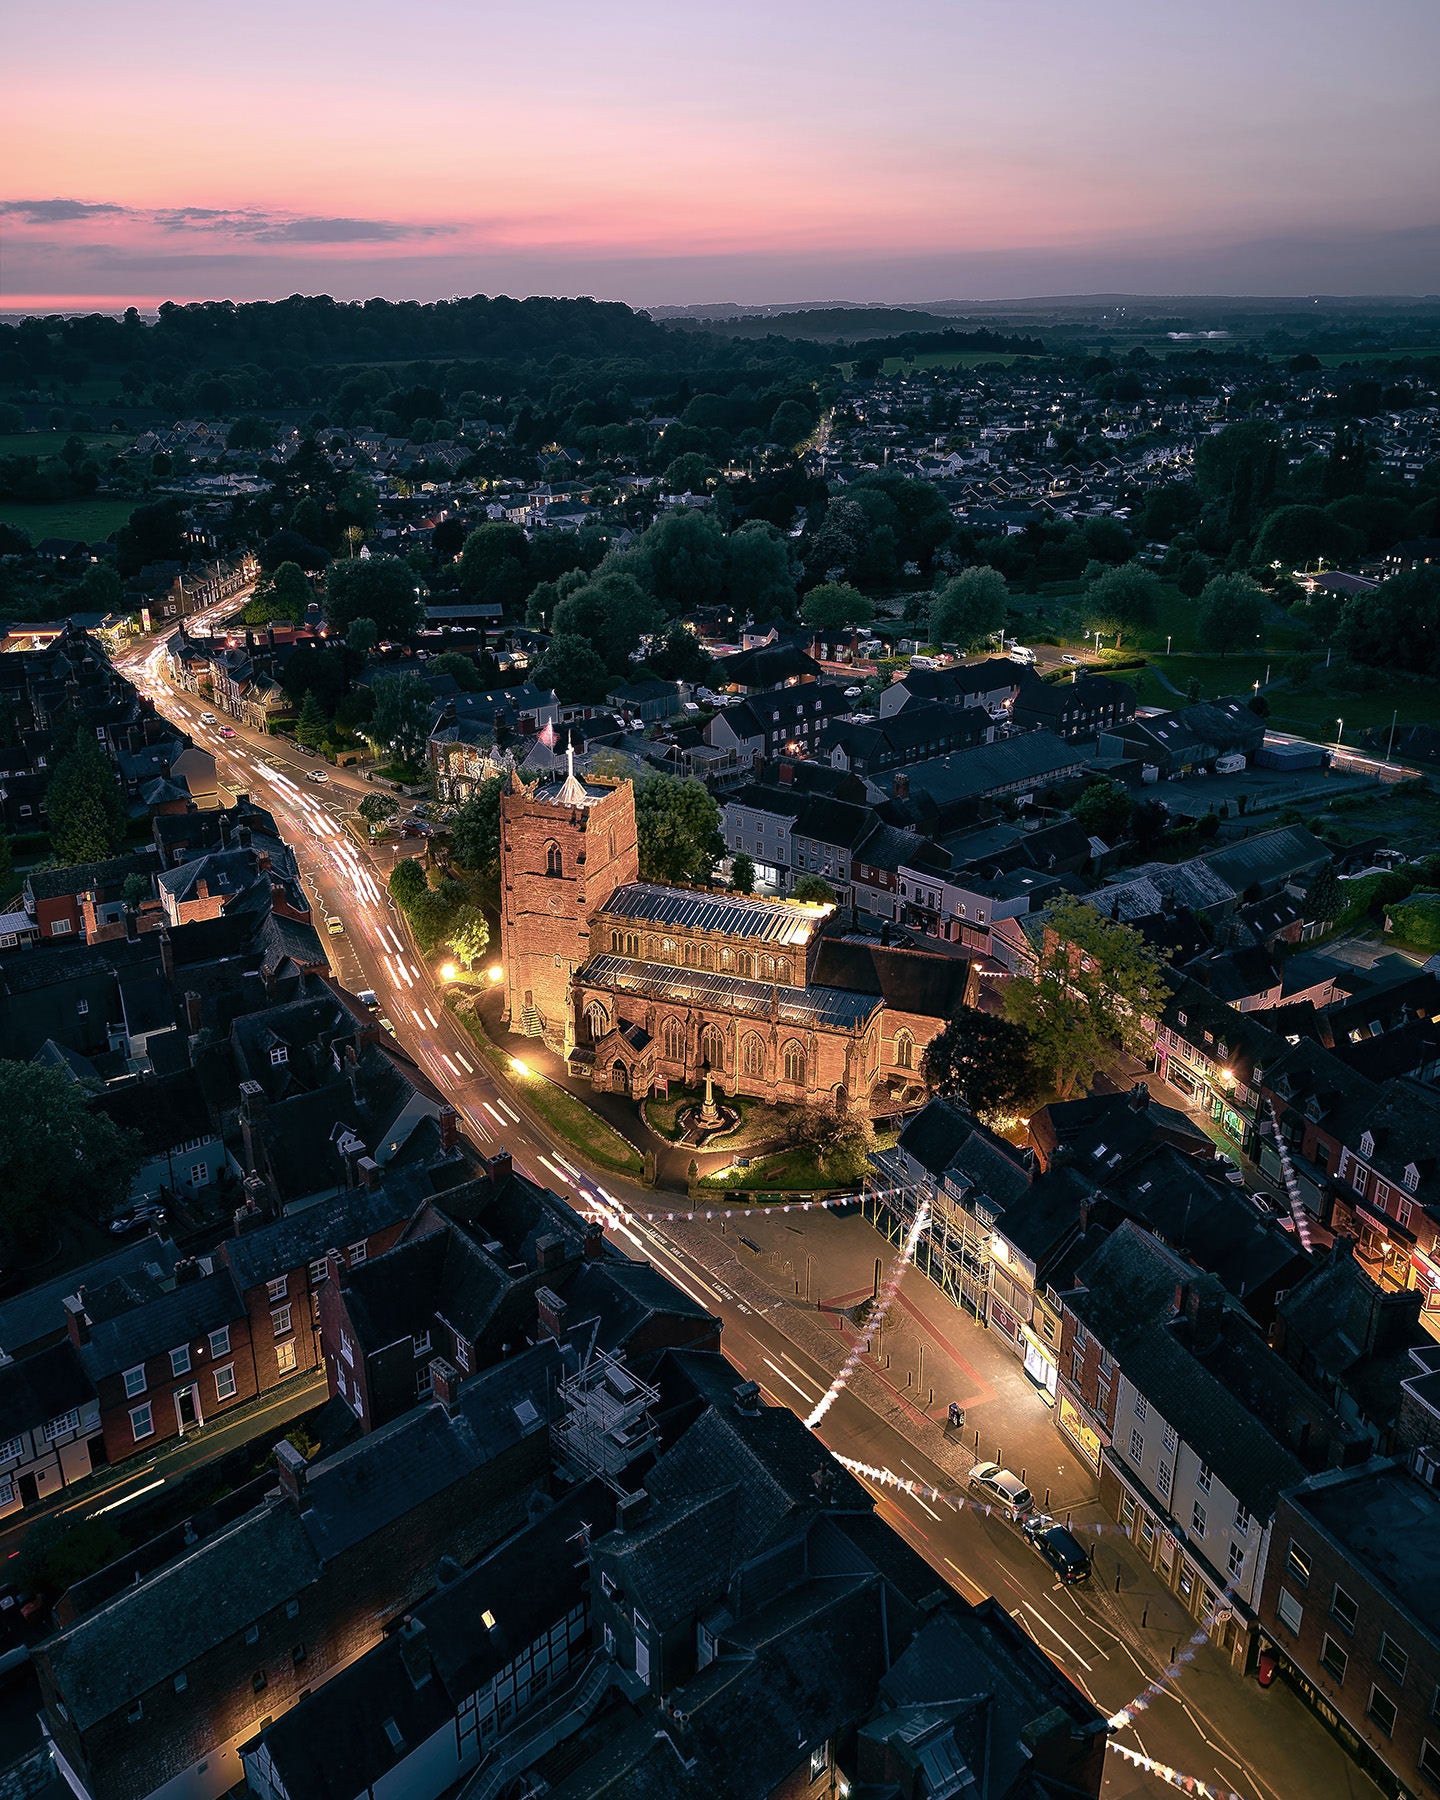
{"x": 1082, "y": 1629}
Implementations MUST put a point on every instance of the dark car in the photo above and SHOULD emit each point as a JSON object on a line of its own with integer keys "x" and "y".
{"x": 1059, "y": 1547}
{"x": 139, "y": 1218}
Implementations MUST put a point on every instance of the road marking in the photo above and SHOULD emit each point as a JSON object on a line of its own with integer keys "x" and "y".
{"x": 1046, "y": 1625}
{"x": 414, "y": 972}
{"x": 514, "y": 1117}
{"x": 449, "y": 1065}
{"x": 125, "y": 1499}
{"x": 809, "y": 1399}
{"x": 463, "y": 1064}
{"x": 434, "y": 1022}
{"x": 966, "y": 1578}
{"x": 416, "y": 1017}
{"x": 493, "y": 1114}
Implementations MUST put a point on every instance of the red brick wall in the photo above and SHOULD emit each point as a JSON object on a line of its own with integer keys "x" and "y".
{"x": 160, "y": 1389}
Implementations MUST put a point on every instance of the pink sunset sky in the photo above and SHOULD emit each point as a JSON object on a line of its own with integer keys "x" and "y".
{"x": 654, "y": 153}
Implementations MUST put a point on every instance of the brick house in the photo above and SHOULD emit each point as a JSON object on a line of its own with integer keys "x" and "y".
{"x": 1352, "y": 1605}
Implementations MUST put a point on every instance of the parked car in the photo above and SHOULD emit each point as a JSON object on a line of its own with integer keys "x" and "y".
{"x": 304, "y": 749}
{"x": 368, "y": 999}
{"x": 853, "y": 693}
{"x": 1060, "y": 1548}
{"x": 1071, "y": 658}
{"x": 1005, "y": 1489}
{"x": 1263, "y": 1204}
{"x": 335, "y": 925}
{"x": 316, "y": 775}
{"x": 138, "y": 1218}
{"x": 385, "y": 1025}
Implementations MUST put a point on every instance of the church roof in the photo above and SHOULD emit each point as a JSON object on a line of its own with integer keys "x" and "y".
{"x": 838, "y": 1008}
{"x": 764, "y": 921}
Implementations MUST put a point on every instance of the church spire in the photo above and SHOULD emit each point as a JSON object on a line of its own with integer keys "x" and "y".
{"x": 572, "y": 789}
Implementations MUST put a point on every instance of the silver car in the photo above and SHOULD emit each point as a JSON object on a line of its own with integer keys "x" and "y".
{"x": 1003, "y": 1488}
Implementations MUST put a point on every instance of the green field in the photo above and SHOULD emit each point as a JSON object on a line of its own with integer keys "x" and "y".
{"x": 91, "y": 520}
{"x": 50, "y": 443}
{"x": 1337, "y": 359}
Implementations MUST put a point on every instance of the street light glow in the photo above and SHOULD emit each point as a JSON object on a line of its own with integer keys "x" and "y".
{"x": 519, "y": 1067}
{"x": 448, "y": 972}
{"x": 496, "y": 973}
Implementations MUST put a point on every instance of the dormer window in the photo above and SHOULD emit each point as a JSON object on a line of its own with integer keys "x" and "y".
{"x": 1367, "y": 1144}
{"x": 279, "y": 1056}
{"x": 1412, "y": 1177}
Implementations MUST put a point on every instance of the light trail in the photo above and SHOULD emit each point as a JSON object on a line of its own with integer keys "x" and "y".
{"x": 883, "y": 1301}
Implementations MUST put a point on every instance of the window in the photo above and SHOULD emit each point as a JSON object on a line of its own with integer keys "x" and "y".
{"x": 180, "y": 1360}
{"x": 1142, "y": 1408}
{"x": 1203, "y": 1477}
{"x": 1237, "y": 1562}
{"x": 297, "y": 1655}
{"x": 142, "y": 1423}
{"x": 1297, "y": 1564}
{"x": 60, "y": 927}
{"x": 318, "y": 1271}
{"x": 552, "y": 859}
{"x": 57, "y": 1427}
{"x": 182, "y": 1681}
{"x": 1343, "y": 1610}
{"x": 422, "y": 1343}
{"x": 347, "y": 1349}
{"x": 462, "y": 1354}
{"x": 1381, "y": 1711}
{"x": 279, "y": 1056}
{"x": 1102, "y": 1397}
{"x": 277, "y": 1289}
{"x": 199, "y": 1174}
{"x": 134, "y": 1382}
{"x": 285, "y": 1357}
{"x": 252, "y": 1634}
{"x": 1137, "y": 1446}
{"x": 1197, "y": 1519}
{"x": 220, "y": 1341}
{"x": 1334, "y": 1660}
{"x": 136, "y": 1713}
{"x": 225, "y": 1382}
{"x": 1402, "y": 1214}
{"x": 12, "y": 1449}
{"x": 280, "y": 1320}
{"x": 1393, "y": 1657}
{"x": 752, "y": 1055}
{"x": 819, "y": 1761}
{"x": 1127, "y": 1510}
{"x": 795, "y": 1064}
{"x": 904, "y": 1051}
{"x": 1172, "y": 1438}
{"x": 1242, "y": 1520}
{"x": 257, "y": 1681}
{"x": 358, "y": 1252}
{"x": 1289, "y": 1610}
{"x": 1162, "y": 1481}
{"x": 82, "y": 1007}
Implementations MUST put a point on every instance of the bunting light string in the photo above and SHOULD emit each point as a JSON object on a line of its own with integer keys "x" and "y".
{"x": 1298, "y": 1213}
{"x": 1188, "y": 1784}
{"x": 884, "y": 1298}
{"x": 611, "y": 1208}
{"x": 1193, "y": 1644}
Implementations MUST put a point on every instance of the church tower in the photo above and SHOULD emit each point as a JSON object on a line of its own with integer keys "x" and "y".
{"x": 564, "y": 849}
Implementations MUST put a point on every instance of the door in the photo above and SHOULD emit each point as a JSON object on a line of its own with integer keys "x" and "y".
{"x": 187, "y": 1408}
{"x": 642, "y": 1652}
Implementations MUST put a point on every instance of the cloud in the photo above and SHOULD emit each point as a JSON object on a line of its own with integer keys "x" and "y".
{"x": 252, "y": 223}
{"x": 54, "y": 212}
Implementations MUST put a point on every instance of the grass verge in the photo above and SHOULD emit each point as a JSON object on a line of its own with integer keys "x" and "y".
{"x": 566, "y": 1116}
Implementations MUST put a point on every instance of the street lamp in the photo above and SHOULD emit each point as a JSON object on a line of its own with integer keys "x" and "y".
{"x": 1168, "y": 636}
{"x": 1339, "y": 732}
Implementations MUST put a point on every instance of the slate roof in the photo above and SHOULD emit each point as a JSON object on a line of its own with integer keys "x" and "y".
{"x": 761, "y": 921}
{"x": 728, "y": 993}
{"x": 78, "y": 878}
{"x": 912, "y": 981}
{"x": 158, "y": 1324}
{"x": 1269, "y": 859}
{"x": 301, "y": 1237}
{"x": 39, "y": 1312}
{"x": 968, "y": 774}
{"x": 41, "y": 1387}
{"x": 1388, "y": 1525}
{"x": 165, "y": 1112}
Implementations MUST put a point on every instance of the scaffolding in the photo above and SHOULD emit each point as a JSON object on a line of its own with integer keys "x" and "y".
{"x": 606, "y": 1423}
{"x": 954, "y": 1250}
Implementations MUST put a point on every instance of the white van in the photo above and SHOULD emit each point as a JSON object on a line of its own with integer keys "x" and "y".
{"x": 1019, "y": 653}
{"x": 923, "y": 662}
{"x": 1231, "y": 763}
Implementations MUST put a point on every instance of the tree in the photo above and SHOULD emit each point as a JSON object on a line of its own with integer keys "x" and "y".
{"x": 1396, "y": 627}
{"x": 611, "y": 612}
{"x": 684, "y": 554}
{"x": 460, "y": 668}
{"x": 285, "y": 595}
{"x": 1123, "y": 598}
{"x": 1096, "y": 983}
{"x": 813, "y": 889}
{"x": 758, "y": 572}
{"x": 1232, "y": 609}
{"x": 680, "y": 656}
{"x": 1296, "y": 535}
{"x": 377, "y": 810}
{"x": 362, "y": 636}
{"x": 573, "y": 669}
{"x": 469, "y": 935}
{"x": 312, "y": 725}
{"x": 99, "y": 590}
{"x": 1324, "y": 899}
{"x": 742, "y": 873}
{"x": 1416, "y": 922}
{"x": 59, "y": 1549}
{"x": 407, "y": 881}
{"x": 493, "y": 565}
{"x": 475, "y": 832}
{"x": 401, "y": 721}
{"x": 83, "y": 804}
{"x": 7, "y": 867}
{"x": 791, "y": 423}
{"x": 55, "y": 1151}
{"x": 835, "y": 606}
{"x": 1104, "y": 809}
{"x": 983, "y": 1062}
{"x": 678, "y": 826}
{"x": 970, "y": 608}
{"x": 382, "y": 589}
{"x": 840, "y": 1141}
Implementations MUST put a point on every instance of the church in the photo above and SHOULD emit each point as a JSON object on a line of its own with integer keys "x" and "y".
{"x": 641, "y": 987}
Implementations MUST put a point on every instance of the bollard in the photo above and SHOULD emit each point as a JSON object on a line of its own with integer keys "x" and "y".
{"x": 1117, "y": 1581}
{"x": 1022, "y": 1473}
{"x": 977, "y": 1443}
{"x": 1047, "y": 1499}
{"x": 1144, "y": 1615}
{"x": 908, "y": 1378}
{"x": 1173, "y": 1649}
{"x": 1067, "y": 1521}
{"x": 932, "y": 1396}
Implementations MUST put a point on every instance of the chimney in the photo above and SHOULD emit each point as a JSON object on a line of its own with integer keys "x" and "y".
{"x": 1140, "y": 1097}
{"x": 449, "y": 1123}
{"x": 290, "y": 1465}
{"x": 414, "y": 1651}
{"x": 786, "y": 773}
{"x": 193, "y": 1005}
{"x": 167, "y": 954}
{"x": 900, "y": 787}
{"x": 77, "y": 1324}
{"x": 594, "y": 1242}
{"x": 445, "y": 1383}
{"x": 262, "y": 861}
{"x": 553, "y": 1312}
{"x": 367, "y": 1174}
{"x": 549, "y": 1252}
{"x": 252, "y": 1102}
{"x": 248, "y": 1217}
{"x": 187, "y": 1271}
{"x": 747, "y": 1399}
{"x": 500, "y": 1168}
{"x": 630, "y": 1509}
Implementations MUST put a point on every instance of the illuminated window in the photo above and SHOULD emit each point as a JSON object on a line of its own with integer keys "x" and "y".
{"x": 904, "y": 1051}
{"x": 752, "y": 1055}
{"x": 285, "y": 1357}
{"x": 795, "y": 1064}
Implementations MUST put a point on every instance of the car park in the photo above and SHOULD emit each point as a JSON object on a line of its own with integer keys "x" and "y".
{"x": 1003, "y": 1488}
{"x": 1060, "y": 1548}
